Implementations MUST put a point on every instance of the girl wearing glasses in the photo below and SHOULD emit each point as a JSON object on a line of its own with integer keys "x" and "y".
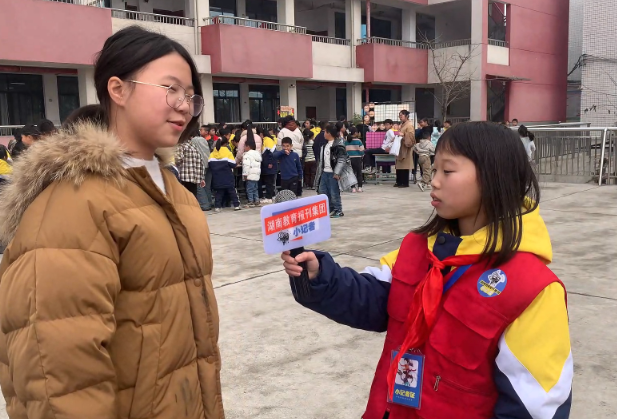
{"x": 106, "y": 302}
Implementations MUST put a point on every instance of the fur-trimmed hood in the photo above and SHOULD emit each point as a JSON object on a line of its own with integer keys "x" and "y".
{"x": 69, "y": 155}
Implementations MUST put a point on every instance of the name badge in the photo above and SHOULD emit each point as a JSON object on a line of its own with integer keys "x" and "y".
{"x": 408, "y": 382}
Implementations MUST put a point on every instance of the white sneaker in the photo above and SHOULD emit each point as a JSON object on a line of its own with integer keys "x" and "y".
{"x": 217, "y": 210}
{"x": 421, "y": 186}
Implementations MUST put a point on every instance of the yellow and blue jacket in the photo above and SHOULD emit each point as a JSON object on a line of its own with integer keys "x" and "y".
{"x": 534, "y": 366}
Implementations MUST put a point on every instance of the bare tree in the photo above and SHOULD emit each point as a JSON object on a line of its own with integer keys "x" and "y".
{"x": 453, "y": 71}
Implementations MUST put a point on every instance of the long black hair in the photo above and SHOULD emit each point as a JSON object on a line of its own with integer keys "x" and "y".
{"x": 506, "y": 181}
{"x": 123, "y": 55}
{"x": 248, "y": 126}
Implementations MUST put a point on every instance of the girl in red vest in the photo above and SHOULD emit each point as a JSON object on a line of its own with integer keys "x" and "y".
{"x": 477, "y": 326}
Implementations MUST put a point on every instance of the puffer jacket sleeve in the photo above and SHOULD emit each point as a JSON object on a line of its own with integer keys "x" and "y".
{"x": 57, "y": 319}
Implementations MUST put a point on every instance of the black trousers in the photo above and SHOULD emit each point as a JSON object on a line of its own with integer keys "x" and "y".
{"x": 191, "y": 187}
{"x": 269, "y": 181}
{"x": 356, "y": 165}
{"x": 402, "y": 177}
{"x": 291, "y": 184}
{"x": 226, "y": 192}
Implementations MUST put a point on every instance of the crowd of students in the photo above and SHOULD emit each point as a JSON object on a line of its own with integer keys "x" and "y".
{"x": 217, "y": 161}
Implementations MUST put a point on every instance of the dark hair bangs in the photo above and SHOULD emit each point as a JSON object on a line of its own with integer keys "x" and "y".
{"x": 508, "y": 184}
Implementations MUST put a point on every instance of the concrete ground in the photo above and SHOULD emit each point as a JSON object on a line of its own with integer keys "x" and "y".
{"x": 283, "y": 361}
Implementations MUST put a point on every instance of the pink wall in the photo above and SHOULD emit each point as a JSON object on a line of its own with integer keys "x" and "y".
{"x": 538, "y": 52}
{"x": 51, "y": 32}
{"x": 245, "y": 51}
{"x": 390, "y": 64}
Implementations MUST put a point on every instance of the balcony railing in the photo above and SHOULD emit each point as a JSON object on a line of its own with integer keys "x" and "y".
{"x": 331, "y": 40}
{"x": 252, "y": 23}
{"x": 498, "y": 43}
{"x": 450, "y": 44}
{"x": 392, "y": 42}
{"x": 93, "y": 3}
{"x": 152, "y": 17}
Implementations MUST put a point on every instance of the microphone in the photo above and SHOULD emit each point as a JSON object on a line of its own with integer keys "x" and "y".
{"x": 300, "y": 285}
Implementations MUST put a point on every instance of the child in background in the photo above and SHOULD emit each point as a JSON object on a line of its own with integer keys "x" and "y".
{"x": 222, "y": 164}
{"x": 425, "y": 149}
{"x": 291, "y": 168}
{"x": 487, "y": 315}
{"x": 251, "y": 172}
{"x": 6, "y": 163}
{"x": 310, "y": 165}
{"x": 355, "y": 151}
{"x": 331, "y": 165}
{"x": 269, "y": 167}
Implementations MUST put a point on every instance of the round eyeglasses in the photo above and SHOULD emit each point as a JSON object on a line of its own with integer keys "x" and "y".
{"x": 176, "y": 95}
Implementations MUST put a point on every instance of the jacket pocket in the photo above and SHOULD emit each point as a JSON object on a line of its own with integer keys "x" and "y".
{"x": 147, "y": 370}
{"x": 464, "y": 334}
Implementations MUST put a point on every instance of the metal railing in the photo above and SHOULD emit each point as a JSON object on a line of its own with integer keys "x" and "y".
{"x": 498, "y": 43}
{"x": 92, "y": 3}
{"x": 252, "y": 23}
{"x": 152, "y": 17}
{"x": 449, "y": 44}
{"x": 331, "y": 40}
{"x": 392, "y": 42}
{"x": 576, "y": 154}
{"x": 264, "y": 125}
{"x": 8, "y": 130}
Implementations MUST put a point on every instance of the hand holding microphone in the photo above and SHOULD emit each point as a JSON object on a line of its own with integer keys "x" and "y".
{"x": 293, "y": 265}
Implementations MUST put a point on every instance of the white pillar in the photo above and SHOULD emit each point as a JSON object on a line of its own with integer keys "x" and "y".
{"x": 353, "y": 20}
{"x": 50, "y": 90}
{"x": 289, "y": 94}
{"x": 207, "y": 116}
{"x": 245, "y": 110}
{"x": 241, "y": 8}
{"x": 202, "y": 10}
{"x": 408, "y": 94}
{"x": 87, "y": 91}
{"x": 409, "y": 25}
{"x": 354, "y": 100}
{"x": 285, "y": 12}
{"x": 478, "y": 84}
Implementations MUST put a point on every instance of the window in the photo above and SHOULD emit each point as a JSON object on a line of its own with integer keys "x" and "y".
{"x": 68, "y": 95}
{"x": 341, "y": 102}
{"x": 222, "y": 7}
{"x": 339, "y": 25}
{"x": 263, "y": 103}
{"x": 379, "y": 28}
{"x": 21, "y": 99}
{"x": 262, "y": 10}
{"x": 497, "y": 20}
{"x": 425, "y": 27}
{"x": 226, "y": 102}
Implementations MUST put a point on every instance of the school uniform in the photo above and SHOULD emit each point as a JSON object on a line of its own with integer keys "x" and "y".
{"x": 222, "y": 164}
{"x": 499, "y": 344}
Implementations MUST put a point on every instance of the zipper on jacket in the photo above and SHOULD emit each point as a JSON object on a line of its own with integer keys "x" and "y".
{"x": 438, "y": 379}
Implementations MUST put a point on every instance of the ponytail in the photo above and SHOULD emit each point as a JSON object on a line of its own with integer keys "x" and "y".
{"x": 222, "y": 141}
{"x": 250, "y": 136}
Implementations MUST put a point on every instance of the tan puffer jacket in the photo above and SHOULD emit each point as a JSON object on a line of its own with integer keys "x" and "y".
{"x": 106, "y": 302}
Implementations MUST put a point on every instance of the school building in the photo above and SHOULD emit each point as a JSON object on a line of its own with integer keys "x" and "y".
{"x": 324, "y": 58}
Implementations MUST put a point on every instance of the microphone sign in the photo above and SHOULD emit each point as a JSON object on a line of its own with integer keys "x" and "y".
{"x": 293, "y": 224}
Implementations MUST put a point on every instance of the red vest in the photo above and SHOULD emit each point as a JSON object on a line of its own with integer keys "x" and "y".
{"x": 461, "y": 350}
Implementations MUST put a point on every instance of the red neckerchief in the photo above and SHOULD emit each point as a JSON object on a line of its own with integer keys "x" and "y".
{"x": 423, "y": 310}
